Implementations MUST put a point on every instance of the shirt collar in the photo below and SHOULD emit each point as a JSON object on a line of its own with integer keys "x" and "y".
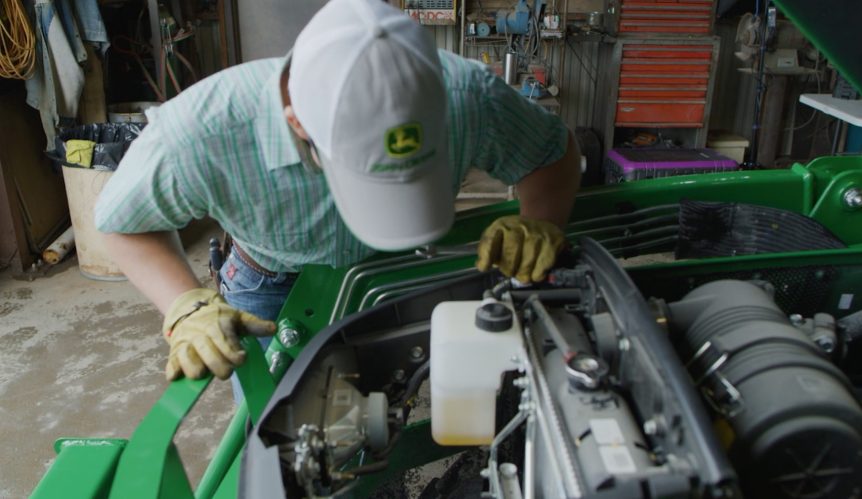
{"x": 271, "y": 130}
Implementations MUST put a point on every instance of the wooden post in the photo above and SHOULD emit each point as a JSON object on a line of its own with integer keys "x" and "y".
{"x": 91, "y": 108}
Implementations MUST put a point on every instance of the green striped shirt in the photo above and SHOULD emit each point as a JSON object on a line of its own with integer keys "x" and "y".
{"x": 222, "y": 149}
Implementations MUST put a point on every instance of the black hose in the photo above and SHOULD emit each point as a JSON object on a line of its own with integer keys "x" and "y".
{"x": 415, "y": 381}
{"x": 369, "y": 468}
{"x": 551, "y": 296}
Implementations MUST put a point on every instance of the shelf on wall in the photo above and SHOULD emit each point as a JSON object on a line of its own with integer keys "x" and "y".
{"x": 489, "y": 37}
{"x": 843, "y": 109}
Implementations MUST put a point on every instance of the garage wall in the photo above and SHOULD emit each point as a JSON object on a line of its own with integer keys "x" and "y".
{"x": 733, "y": 99}
{"x": 8, "y": 239}
{"x": 268, "y": 28}
{"x": 574, "y": 67}
{"x": 578, "y": 91}
{"x": 34, "y": 203}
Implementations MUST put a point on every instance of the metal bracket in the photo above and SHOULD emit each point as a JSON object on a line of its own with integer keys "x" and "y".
{"x": 734, "y": 403}
{"x": 712, "y": 368}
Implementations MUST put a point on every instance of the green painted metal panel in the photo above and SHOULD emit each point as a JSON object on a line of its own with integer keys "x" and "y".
{"x": 226, "y": 453}
{"x": 308, "y": 303}
{"x": 175, "y": 482}
{"x": 776, "y": 188}
{"x": 230, "y": 484}
{"x": 833, "y": 27}
{"x": 257, "y": 383}
{"x": 83, "y": 468}
{"x": 149, "y": 459}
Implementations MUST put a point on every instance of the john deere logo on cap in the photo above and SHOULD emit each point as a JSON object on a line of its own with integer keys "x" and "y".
{"x": 403, "y": 140}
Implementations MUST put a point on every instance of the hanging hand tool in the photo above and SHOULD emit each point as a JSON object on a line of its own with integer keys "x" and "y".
{"x": 216, "y": 261}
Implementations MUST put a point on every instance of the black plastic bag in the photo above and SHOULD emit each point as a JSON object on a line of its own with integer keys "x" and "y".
{"x": 112, "y": 141}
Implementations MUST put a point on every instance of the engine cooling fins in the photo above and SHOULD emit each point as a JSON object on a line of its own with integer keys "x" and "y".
{"x": 712, "y": 229}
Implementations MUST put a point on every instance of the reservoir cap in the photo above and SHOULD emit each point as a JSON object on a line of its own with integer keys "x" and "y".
{"x": 493, "y": 317}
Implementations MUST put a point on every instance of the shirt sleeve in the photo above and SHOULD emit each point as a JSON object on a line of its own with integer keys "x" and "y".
{"x": 517, "y": 136}
{"x": 152, "y": 189}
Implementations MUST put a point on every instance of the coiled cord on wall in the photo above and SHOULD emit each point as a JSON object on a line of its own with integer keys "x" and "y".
{"x": 17, "y": 41}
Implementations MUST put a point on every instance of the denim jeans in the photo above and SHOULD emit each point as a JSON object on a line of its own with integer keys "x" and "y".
{"x": 250, "y": 291}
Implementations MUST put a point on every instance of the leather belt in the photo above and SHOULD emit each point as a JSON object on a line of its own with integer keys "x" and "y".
{"x": 242, "y": 255}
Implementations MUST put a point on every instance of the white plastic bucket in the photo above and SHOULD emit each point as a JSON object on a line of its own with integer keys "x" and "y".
{"x": 129, "y": 112}
{"x": 83, "y": 186}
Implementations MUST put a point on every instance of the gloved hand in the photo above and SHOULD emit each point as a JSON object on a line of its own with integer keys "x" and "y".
{"x": 203, "y": 332}
{"x": 520, "y": 247}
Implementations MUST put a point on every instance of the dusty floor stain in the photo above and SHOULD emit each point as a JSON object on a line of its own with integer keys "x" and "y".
{"x": 104, "y": 308}
{"x": 83, "y": 358}
{"x": 17, "y": 337}
{"x": 7, "y": 308}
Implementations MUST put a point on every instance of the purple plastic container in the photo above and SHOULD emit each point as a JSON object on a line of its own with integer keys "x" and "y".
{"x": 635, "y": 164}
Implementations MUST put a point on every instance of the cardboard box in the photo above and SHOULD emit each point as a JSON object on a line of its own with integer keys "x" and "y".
{"x": 727, "y": 144}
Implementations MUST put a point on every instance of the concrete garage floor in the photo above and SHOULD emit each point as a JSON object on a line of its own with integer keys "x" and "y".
{"x": 85, "y": 358}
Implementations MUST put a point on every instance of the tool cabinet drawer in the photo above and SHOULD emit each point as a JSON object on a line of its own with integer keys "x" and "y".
{"x": 652, "y": 52}
{"x": 670, "y": 113}
{"x": 641, "y": 66}
{"x": 666, "y": 16}
{"x": 684, "y": 26}
{"x": 666, "y": 60}
{"x": 658, "y": 79}
{"x": 663, "y": 92}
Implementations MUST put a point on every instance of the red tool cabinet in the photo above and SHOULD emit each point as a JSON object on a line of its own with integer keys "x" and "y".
{"x": 659, "y": 72}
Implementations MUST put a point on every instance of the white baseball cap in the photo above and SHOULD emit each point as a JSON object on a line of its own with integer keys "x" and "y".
{"x": 366, "y": 85}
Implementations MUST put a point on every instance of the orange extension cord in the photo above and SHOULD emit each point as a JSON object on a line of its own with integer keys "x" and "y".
{"x": 17, "y": 41}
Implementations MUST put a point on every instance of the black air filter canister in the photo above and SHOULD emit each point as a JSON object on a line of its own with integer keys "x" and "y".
{"x": 796, "y": 425}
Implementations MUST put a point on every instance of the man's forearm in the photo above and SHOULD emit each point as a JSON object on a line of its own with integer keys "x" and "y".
{"x": 155, "y": 263}
{"x": 548, "y": 193}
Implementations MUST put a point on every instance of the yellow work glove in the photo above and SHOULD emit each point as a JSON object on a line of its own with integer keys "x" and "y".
{"x": 520, "y": 247}
{"x": 203, "y": 332}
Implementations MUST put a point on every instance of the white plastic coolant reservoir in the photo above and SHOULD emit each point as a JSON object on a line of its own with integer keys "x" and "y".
{"x": 468, "y": 357}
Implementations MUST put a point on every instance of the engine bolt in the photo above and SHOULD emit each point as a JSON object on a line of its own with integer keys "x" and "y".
{"x": 825, "y": 344}
{"x": 276, "y": 361}
{"x": 650, "y": 428}
{"x": 288, "y": 333}
{"x": 624, "y": 345}
{"x": 399, "y": 375}
{"x": 853, "y": 198}
{"x": 797, "y": 320}
{"x": 417, "y": 353}
{"x": 526, "y": 406}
